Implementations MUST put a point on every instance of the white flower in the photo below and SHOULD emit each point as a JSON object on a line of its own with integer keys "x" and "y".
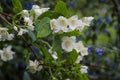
{"x": 10, "y": 36}
{"x": 30, "y": 26}
{"x": 73, "y": 22}
{"x": 62, "y": 23}
{"x": 7, "y": 54}
{"x": 87, "y": 20}
{"x": 25, "y": 13}
{"x": 79, "y": 58}
{"x": 78, "y": 46}
{"x": 27, "y": 20}
{"x": 34, "y": 66}
{"x": 53, "y": 54}
{"x": 59, "y": 25}
{"x": 3, "y": 34}
{"x": 15, "y": 28}
{"x": 68, "y": 43}
{"x": 29, "y": 23}
{"x": 22, "y": 31}
{"x": 35, "y": 7}
{"x": 44, "y": 9}
{"x": 83, "y": 69}
{"x": 84, "y": 51}
{"x": 38, "y": 11}
{"x": 54, "y": 26}
{"x": 81, "y": 25}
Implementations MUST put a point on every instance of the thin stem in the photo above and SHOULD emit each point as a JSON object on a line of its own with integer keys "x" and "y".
{"x": 5, "y": 14}
{"x": 51, "y": 73}
{"x": 30, "y": 48}
{"x": 45, "y": 43}
{"x": 5, "y": 20}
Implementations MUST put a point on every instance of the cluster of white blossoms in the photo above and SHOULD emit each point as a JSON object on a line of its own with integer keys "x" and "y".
{"x": 63, "y": 24}
{"x": 4, "y": 35}
{"x": 28, "y": 19}
{"x": 69, "y": 43}
{"x": 38, "y": 11}
{"x": 34, "y": 66}
{"x": 7, "y": 54}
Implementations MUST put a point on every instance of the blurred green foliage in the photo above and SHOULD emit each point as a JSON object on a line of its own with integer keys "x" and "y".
{"x": 102, "y": 34}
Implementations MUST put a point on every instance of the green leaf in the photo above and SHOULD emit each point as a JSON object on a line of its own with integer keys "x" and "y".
{"x": 81, "y": 76}
{"x": 102, "y": 39}
{"x": 26, "y": 76}
{"x": 1, "y": 9}
{"x": 45, "y": 53}
{"x": 32, "y": 13}
{"x": 32, "y": 35}
{"x": 85, "y": 77}
{"x": 72, "y": 57}
{"x": 72, "y": 33}
{"x": 57, "y": 46}
{"x": 50, "y": 14}
{"x": 17, "y": 7}
{"x": 26, "y": 56}
{"x": 62, "y": 9}
{"x": 43, "y": 27}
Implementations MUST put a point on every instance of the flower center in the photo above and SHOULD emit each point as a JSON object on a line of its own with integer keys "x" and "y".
{"x": 7, "y": 55}
{"x": 68, "y": 43}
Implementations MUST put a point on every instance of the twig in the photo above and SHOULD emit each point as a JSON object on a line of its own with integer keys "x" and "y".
{"x": 5, "y": 14}
{"x": 5, "y": 20}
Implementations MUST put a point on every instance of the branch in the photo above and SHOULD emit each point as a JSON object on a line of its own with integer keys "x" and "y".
{"x": 5, "y": 14}
{"x": 5, "y": 20}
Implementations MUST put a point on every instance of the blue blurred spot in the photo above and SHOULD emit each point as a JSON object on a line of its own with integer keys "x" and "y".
{"x": 9, "y": 1}
{"x": 106, "y": 32}
{"x": 109, "y": 20}
{"x": 32, "y": 56}
{"x": 89, "y": 49}
{"x": 116, "y": 40}
{"x": 117, "y": 27}
{"x": 35, "y": 48}
{"x": 114, "y": 66}
{"x": 100, "y": 20}
{"x": 72, "y": 4}
{"x": 99, "y": 52}
{"x": 1, "y": 74}
{"x": 111, "y": 72}
{"x": 23, "y": 65}
{"x": 102, "y": 1}
{"x": 28, "y": 6}
{"x": 16, "y": 65}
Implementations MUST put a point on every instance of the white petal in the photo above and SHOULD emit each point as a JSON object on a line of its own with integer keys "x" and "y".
{"x": 22, "y": 31}
{"x": 84, "y": 51}
{"x": 79, "y": 58}
{"x": 68, "y": 43}
{"x": 15, "y": 28}
{"x": 35, "y": 7}
{"x": 78, "y": 46}
{"x": 10, "y": 36}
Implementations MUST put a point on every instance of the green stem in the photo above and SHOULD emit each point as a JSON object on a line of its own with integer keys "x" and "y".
{"x": 51, "y": 73}
{"x": 45, "y": 43}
